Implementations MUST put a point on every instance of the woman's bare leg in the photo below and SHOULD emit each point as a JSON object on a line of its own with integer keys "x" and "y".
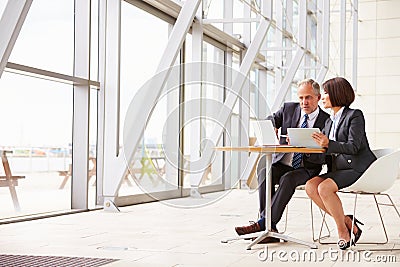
{"x": 312, "y": 192}
{"x": 328, "y": 193}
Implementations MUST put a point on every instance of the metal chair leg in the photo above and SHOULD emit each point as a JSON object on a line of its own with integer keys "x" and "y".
{"x": 322, "y": 224}
{"x": 383, "y": 224}
{"x": 354, "y": 211}
{"x": 393, "y": 205}
{"x": 312, "y": 223}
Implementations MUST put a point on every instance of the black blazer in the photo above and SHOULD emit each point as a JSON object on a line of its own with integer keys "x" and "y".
{"x": 288, "y": 117}
{"x": 351, "y": 146}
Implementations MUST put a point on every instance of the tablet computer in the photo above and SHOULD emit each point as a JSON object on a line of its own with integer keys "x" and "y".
{"x": 302, "y": 137}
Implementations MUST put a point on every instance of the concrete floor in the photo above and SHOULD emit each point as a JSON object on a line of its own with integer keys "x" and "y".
{"x": 188, "y": 232}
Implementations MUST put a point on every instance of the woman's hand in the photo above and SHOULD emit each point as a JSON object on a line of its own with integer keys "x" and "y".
{"x": 321, "y": 139}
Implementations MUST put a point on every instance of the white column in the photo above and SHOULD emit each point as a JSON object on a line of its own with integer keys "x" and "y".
{"x": 81, "y": 96}
{"x": 302, "y": 37}
{"x": 228, "y": 28}
{"x": 109, "y": 162}
{"x": 11, "y": 23}
{"x": 244, "y": 109}
{"x": 101, "y": 100}
{"x": 263, "y": 108}
{"x": 193, "y": 96}
{"x": 171, "y": 138}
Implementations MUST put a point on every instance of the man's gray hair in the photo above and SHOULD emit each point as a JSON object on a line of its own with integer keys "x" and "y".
{"x": 313, "y": 83}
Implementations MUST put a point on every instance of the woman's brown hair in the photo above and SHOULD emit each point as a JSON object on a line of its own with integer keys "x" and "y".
{"x": 340, "y": 92}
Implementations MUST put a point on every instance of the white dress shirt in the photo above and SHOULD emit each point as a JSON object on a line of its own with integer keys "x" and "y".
{"x": 335, "y": 121}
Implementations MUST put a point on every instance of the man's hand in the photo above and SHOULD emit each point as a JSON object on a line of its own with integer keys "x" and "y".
{"x": 321, "y": 139}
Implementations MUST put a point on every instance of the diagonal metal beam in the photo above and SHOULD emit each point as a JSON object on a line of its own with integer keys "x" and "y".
{"x": 321, "y": 74}
{"x": 294, "y": 65}
{"x": 224, "y": 115}
{"x": 115, "y": 165}
{"x": 10, "y": 25}
{"x": 288, "y": 80}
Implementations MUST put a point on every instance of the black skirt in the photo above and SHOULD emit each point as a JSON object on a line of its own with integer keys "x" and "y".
{"x": 343, "y": 178}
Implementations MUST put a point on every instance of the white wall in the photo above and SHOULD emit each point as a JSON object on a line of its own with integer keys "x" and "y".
{"x": 379, "y": 72}
{"x": 378, "y": 90}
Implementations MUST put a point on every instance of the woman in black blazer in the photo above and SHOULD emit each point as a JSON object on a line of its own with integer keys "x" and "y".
{"x": 345, "y": 139}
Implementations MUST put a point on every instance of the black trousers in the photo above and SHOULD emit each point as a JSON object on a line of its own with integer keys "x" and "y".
{"x": 288, "y": 179}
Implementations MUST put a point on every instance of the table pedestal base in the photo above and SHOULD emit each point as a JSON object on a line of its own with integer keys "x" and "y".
{"x": 261, "y": 235}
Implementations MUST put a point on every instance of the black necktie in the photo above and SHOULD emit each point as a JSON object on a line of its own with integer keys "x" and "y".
{"x": 296, "y": 161}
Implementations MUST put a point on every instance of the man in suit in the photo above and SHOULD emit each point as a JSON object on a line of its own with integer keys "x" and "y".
{"x": 289, "y": 170}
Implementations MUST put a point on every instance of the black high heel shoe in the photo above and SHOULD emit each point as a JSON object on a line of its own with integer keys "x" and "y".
{"x": 359, "y": 231}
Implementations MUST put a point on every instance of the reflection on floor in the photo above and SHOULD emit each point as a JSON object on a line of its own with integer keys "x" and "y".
{"x": 188, "y": 232}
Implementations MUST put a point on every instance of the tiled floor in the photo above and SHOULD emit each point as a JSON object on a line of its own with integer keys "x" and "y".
{"x": 164, "y": 234}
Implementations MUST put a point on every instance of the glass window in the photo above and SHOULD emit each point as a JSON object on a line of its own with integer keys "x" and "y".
{"x": 46, "y": 40}
{"x": 270, "y": 89}
{"x": 3, "y": 4}
{"x": 212, "y": 101}
{"x": 295, "y": 18}
{"x": 39, "y": 138}
{"x": 312, "y": 33}
{"x": 141, "y": 50}
{"x": 214, "y": 10}
{"x": 94, "y": 41}
{"x": 202, "y": 103}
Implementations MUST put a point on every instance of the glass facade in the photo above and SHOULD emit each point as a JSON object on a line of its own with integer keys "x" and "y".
{"x": 183, "y": 117}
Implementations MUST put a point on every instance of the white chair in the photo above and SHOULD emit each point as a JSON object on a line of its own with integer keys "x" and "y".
{"x": 383, "y": 152}
{"x": 379, "y": 177}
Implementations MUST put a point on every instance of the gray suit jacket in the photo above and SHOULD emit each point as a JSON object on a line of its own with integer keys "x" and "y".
{"x": 351, "y": 146}
{"x": 288, "y": 117}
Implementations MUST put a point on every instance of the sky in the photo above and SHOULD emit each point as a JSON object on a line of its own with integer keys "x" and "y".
{"x": 39, "y": 112}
